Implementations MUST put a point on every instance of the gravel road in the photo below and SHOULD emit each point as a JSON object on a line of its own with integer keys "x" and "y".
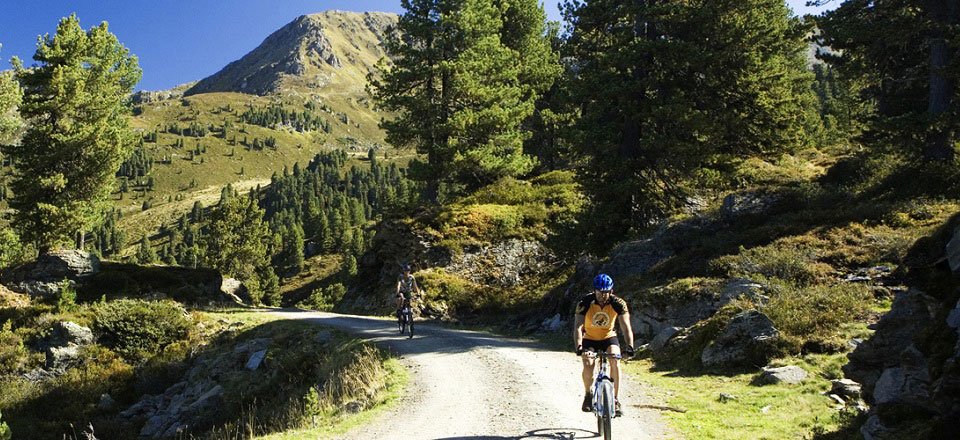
{"x": 468, "y": 385}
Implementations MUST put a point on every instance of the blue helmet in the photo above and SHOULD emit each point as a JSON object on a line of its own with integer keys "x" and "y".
{"x": 603, "y": 282}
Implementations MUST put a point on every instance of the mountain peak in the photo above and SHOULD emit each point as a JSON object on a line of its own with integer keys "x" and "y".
{"x": 313, "y": 51}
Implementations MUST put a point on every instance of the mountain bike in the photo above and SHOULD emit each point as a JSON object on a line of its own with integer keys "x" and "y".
{"x": 603, "y": 395}
{"x": 405, "y": 320}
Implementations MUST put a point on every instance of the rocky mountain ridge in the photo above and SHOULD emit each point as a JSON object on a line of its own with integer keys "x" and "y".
{"x": 335, "y": 49}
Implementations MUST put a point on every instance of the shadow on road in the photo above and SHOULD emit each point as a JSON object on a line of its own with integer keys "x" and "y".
{"x": 548, "y": 433}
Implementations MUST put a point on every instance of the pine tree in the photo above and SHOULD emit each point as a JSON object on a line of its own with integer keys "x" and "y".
{"x": 236, "y": 242}
{"x": 145, "y": 252}
{"x": 462, "y": 82}
{"x": 10, "y": 98}
{"x": 65, "y": 171}
{"x": 671, "y": 88}
{"x": 902, "y": 56}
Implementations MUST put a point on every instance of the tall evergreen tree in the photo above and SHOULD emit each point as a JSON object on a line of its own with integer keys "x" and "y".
{"x": 464, "y": 78}
{"x": 236, "y": 243}
{"x": 668, "y": 88}
{"x": 902, "y": 54}
{"x": 10, "y": 98}
{"x": 76, "y": 99}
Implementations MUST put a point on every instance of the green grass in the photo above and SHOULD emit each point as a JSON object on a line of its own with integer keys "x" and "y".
{"x": 769, "y": 412}
{"x": 396, "y": 381}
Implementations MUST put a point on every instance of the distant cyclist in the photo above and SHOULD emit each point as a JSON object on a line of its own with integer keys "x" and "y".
{"x": 406, "y": 287}
{"x": 594, "y": 330}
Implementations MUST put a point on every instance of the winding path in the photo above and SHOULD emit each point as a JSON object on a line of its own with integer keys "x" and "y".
{"x": 468, "y": 385}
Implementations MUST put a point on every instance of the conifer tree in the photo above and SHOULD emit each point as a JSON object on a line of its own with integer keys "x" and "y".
{"x": 10, "y": 98}
{"x": 462, "y": 82}
{"x": 145, "y": 252}
{"x": 671, "y": 88}
{"x": 236, "y": 242}
{"x": 902, "y": 55}
{"x": 76, "y": 99}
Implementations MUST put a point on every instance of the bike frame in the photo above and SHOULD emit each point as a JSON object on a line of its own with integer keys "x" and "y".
{"x": 603, "y": 384}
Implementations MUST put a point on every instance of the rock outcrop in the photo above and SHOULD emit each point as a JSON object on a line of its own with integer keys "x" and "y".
{"x": 748, "y": 340}
{"x": 45, "y": 276}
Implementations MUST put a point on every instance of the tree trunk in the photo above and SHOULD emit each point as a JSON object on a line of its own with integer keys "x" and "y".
{"x": 939, "y": 145}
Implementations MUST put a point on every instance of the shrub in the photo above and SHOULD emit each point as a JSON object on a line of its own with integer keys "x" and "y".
{"x": 795, "y": 263}
{"x": 66, "y": 297}
{"x": 13, "y": 355}
{"x": 324, "y": 299}
{"x": 137, "y": 328}
{"x": 813, "y": 316}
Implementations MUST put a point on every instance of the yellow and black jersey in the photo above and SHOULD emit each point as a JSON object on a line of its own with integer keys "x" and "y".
{"x": 599, "y": 322}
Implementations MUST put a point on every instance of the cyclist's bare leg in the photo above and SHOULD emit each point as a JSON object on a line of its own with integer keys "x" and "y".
{"x": 588, "y": 363}
{"x": 615, "y": 369}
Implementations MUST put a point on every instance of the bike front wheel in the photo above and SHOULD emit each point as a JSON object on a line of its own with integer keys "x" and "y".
{"x": 410, "y": 320}
{"x": 606, "y": 415}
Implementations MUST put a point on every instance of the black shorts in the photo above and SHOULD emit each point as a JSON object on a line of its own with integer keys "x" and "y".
{"x": 602, "y": 345}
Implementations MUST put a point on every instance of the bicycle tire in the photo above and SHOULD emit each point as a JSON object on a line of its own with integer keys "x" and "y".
{"x": 410, "y": 318}
{"x": 605, "y": 419}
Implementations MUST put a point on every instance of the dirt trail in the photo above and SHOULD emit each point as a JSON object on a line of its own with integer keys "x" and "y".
{"x": 468, "y": 385}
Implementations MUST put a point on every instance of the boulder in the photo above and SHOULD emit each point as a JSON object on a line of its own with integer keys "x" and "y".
{"x": 552, "y": 324}
{"x": 636, "y": 257}
{"x": 67, "y": 333}
{"x": 748, "y": 340}
{"x": 504, "y": 264}
{"x": 845, "y": 388}
{"x": 748, "y": 203}
{"x": 790, "y": 375}
{"x": 908, "y": 383}
{"x": 874, "y": 429}
{"x": 44, "y": 276}
{"x": 688, "y": 309}
{"x": 106, "y": 403}
{"x": 61, "y": 358}
{"x": 234, "y": 290}
{"x": 953, "y": 319}
{"x": 894, "y": 332}
{"x": 663, "y": 337}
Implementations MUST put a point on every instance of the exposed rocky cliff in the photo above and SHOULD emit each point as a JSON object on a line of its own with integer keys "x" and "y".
{"x": 333, "y": 48}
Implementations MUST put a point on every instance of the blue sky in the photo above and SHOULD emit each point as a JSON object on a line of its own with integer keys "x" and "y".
{"x": 179, "y": 41}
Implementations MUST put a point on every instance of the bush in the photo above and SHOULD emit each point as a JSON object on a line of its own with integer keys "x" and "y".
{"x": 813, "y": 316}
{"x": 795, "y": 263}
{"x": 14, "y": 357}
{"x": 324, "y": 299}
{"x": 137, "y": 328}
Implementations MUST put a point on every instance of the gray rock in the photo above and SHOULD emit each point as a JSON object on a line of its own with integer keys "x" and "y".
{"x": 846, "y": 388}
{"x": 748, "y": 203}
{"x": 504, "y": 264}
{"x": 908, "y": 383}
{"x": 910, "y": 312}
{"x": 175, "y": 428}
{"x": 662, "y": 338}
{"x": 44, "y": 276}
{"x": 873, "y": 429}
{"x": 748, "y": 340}
{"x": 255, "y": 360}
{"x": 209, "y": 399}
{"x": 234, "y": 290}
{"x": 953, "y": 252}
{"x": 552, "y": 324}
{"x": 67, "y": 333}
{"x": 685, "y": 311}
{"x": 353, "y": 407}
{"x": 636, "y": 257}
{"x": 155, "y": 426}
{"x": 790, "y": 375}
{"x": 61, "y": 358}
{"x": 323, "y": 336}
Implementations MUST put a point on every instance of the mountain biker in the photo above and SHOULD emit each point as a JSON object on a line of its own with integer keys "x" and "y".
{"x": 406, "y": 287}
{"x": 594, "y": 330}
